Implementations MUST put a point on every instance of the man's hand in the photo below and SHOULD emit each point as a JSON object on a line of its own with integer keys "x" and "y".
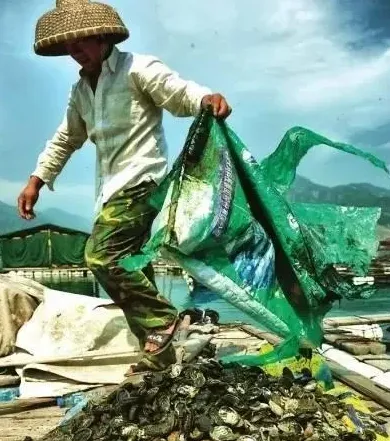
{"x": 221, "y": 108}
{"x": 28, "y": 198}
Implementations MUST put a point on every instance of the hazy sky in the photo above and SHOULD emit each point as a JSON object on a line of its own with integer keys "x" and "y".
{"x": 321, "y": 64}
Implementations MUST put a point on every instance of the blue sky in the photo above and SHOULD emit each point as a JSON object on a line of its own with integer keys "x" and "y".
{"x": 280, "y": 63}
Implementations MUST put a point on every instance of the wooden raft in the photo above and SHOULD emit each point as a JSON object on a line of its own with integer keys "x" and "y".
{"x": 245, "y": 339}
{"x": 38, "y": 416}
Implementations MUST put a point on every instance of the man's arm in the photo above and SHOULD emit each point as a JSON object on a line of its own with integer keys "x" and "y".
{"x": 70, "y": 136}
{"x": 169, "y": 91}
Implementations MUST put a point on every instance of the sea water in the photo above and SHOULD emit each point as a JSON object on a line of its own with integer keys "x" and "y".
{"x": 176, "y": 290}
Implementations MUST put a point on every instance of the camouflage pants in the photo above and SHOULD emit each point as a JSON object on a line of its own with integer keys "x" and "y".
{"x": 121, "y": 228}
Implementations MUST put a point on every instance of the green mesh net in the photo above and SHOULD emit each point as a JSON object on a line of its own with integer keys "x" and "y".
{"x": 225, "y": 219}
{"x": 45, "y": 248}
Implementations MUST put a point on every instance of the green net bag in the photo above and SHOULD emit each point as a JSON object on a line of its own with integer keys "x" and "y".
{"x": 225, "y": 219}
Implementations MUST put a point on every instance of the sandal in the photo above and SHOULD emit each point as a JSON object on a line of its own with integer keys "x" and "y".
{"x": 162, "y": 340}
{"x": 159, "y": 359}
{"x": 148, "y": 364}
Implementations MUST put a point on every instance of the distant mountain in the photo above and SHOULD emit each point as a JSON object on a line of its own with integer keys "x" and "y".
{"x": 304, "y": 190}
{"x": 359, "y": 195}
{"x": 10, "y": 220}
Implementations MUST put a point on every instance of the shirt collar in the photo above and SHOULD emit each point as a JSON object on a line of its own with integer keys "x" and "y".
{"x": 109, "y": 63}
{"x": 112, "y": 59}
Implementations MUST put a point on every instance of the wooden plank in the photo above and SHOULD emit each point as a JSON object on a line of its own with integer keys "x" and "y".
{"x": 383, "y": 365}
{"x": 38, "y": 413}
{"x": 15, "y": 431}
{"x": 263, "y": 335}
{"x": 358, "y": 320}
{"x": 364, "y": 358}
{"x": 355, "y": 345}
{"x": 216, "y": 339}
{"x": 86, "y": 356}
{"x": 39, "y": 421}
{"x": 20, "y": 405}
{"x": 380, "y": 361}
{"x": 45, "y": 412}
{"x": 9, "y": 380}
{"x": 361, "y": 384}
{"x": 235, "y": 334}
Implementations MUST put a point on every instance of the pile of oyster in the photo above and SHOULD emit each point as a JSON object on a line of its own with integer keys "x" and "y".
{"x": 210, "y": 401}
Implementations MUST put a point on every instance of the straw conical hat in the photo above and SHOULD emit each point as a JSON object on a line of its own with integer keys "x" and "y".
{"x": 72, "y": 19}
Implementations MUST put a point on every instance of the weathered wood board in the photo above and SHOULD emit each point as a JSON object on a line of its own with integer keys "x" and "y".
{"x": 34, "y": 423}
{"x": 355, "y": 345}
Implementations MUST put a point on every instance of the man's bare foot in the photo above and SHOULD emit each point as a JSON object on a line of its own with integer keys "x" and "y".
{"x": 152, "y": 347}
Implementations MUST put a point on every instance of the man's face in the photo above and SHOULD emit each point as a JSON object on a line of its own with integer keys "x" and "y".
{"x": 88, "y": 52}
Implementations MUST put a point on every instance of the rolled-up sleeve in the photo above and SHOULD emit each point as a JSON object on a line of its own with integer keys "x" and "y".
{"x": 70, "y": 136}
{"x": 167, "y": 89}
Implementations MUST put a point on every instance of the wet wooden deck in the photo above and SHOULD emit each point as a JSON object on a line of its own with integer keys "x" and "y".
{"x": 34, "y": 423}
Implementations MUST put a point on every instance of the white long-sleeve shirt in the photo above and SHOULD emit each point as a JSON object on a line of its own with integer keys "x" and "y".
{"x": 124, "y": 120}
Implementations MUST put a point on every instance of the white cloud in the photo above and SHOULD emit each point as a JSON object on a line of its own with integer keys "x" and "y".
{"x": 353, "y": 80}
{"x": 204, "y": 16}
{"x": 290, "y": 55}
{"x": 280, "y": 62}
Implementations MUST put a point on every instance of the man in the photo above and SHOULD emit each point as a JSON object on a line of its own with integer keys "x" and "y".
{"x": 117, "y": 103}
